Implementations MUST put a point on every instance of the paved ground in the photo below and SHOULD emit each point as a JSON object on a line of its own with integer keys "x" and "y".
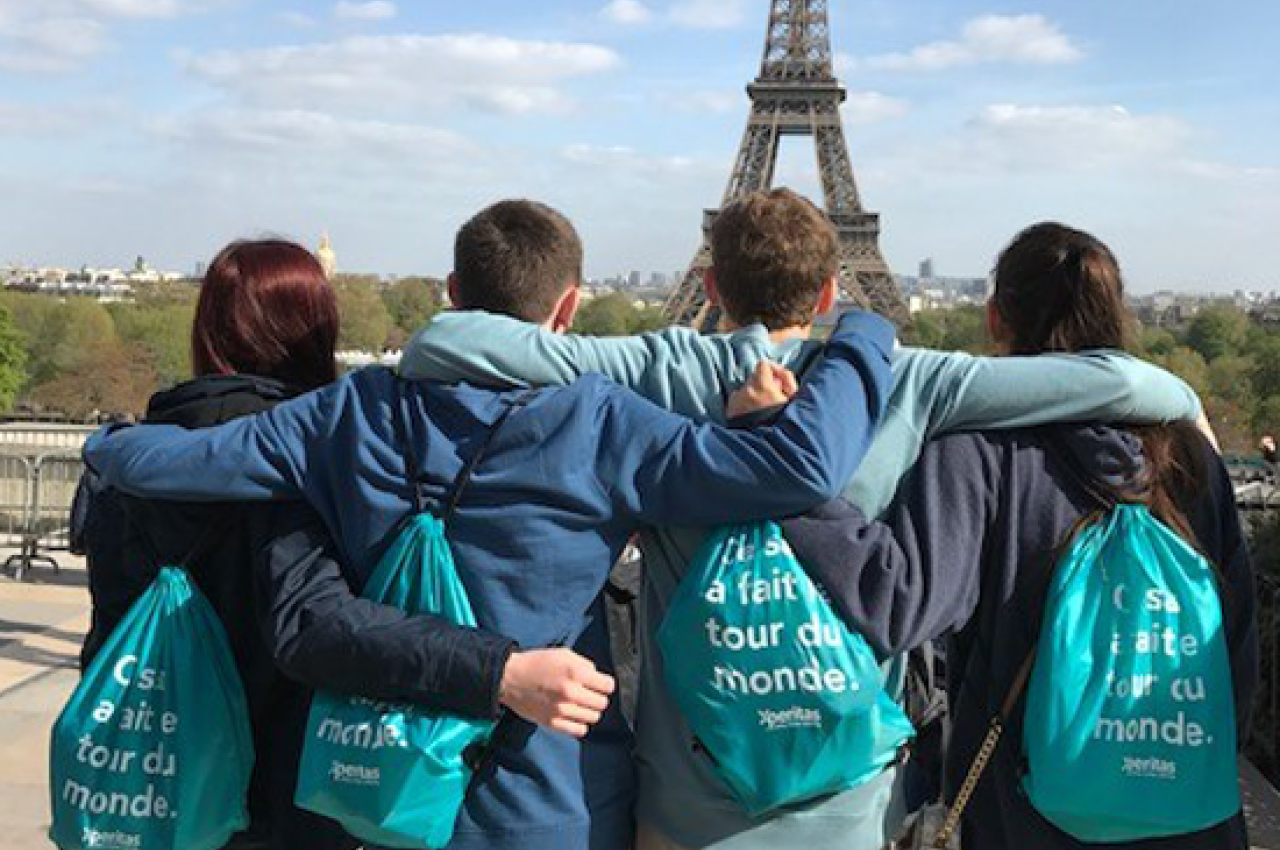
{"x": 42, "y": 622}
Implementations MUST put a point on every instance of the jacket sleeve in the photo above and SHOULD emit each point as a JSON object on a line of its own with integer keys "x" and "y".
{"x": 323, "y": 635}
{"x": 276, "y": 454}
{"x": 677, "y": 368}
{"x": 915, "y": 575}
{"x": 1017, "y": 392}
{"x": 663, "y": 469}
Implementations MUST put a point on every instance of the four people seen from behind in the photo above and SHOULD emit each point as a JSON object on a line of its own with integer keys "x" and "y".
{"x": 968, "y": 523}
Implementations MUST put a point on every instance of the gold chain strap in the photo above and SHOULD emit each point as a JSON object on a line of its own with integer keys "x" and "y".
{"x": 969, "y": 785}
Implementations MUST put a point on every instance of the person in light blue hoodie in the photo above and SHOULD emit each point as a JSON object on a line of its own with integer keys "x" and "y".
{"x": 775, "y": 269}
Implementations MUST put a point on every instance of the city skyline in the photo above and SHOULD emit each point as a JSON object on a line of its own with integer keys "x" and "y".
{"x": 167, "y": 127}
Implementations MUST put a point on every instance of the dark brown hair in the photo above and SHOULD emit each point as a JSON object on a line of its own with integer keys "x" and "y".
{"x": 516, "y": 258}
{"x": 266, "y": 309}
{"x": 1060, "y": 289}
{"x": 773, "y": 252}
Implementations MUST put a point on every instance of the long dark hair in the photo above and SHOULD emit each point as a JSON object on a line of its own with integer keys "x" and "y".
{"x": 266, "y": 309}
{"x": 1060, "y": 289}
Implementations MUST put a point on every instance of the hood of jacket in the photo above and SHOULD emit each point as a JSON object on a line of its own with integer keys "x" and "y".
{"x": 214, "y": 399}
{"x": 1110, "y": 456}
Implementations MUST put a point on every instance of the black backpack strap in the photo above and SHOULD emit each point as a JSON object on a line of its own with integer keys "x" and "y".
{"x": 413, "y": 466}
{"x": 464, "y": 477}
{"x": 215, "y": 529}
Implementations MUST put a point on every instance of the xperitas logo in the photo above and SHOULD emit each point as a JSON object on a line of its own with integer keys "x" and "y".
{"x": 1150, "y": 768}
{"x": 354, "y": 774}
{"x": 111, "y": 840}
{"x": 796, "y": 717}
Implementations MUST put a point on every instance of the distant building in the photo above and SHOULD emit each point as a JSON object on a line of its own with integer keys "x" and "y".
{"x": 328, "y": 259}
{"x": 926, "y": 268}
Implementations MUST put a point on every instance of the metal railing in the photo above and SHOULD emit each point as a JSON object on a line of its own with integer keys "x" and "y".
{"x": 36, "y": 494}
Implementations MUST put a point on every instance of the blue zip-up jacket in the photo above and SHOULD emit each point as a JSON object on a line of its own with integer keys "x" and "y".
{"x": 967, "y": 549}
{"x": 570, "y": 477}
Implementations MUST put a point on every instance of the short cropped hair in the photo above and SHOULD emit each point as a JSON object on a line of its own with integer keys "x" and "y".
{"x": 516, "y": 258}
{"x": 773, "y": 252}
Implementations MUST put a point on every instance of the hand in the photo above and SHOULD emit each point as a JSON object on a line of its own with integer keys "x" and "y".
{"x": 557, "y": 688}
{"x": 771, "y": 385}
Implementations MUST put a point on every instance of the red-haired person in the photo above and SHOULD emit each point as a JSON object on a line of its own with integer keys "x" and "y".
{"x": 265, "y": 331}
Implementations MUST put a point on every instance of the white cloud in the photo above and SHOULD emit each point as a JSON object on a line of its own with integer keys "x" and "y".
{"x": 487, "y": 72}
{"x": 703, "y": 101}
{"x": 627, "y": 159}
{"x": 627, "y": 12}
{"x": 992, "y": 39}
{"x": 870, "y": 107}
{"x": 297, "y": 20}
{"x": 50, "y": 45}
{"x": 1073, "y": 137}
{"x": 373, "y": 10}
{"x": 273, "y": 131}
{"x": 709, "y": 14}
{"x": 23, "y": 119}
{"x": 134, "y": 8}
{"x": 55, "y": 36}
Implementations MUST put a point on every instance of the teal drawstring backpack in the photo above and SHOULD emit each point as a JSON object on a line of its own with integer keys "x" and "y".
{"x": 1130, "y": 728}
{"x": 787, "y": 702}
{"x": 396, "y": 775}
{"x": 154, "y": 750}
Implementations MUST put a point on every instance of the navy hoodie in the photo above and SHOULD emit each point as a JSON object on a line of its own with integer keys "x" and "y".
{"x": 966, "y": 550}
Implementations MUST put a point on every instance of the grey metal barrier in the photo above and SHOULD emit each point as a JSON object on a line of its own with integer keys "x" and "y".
{"x": 57, "y": 476}
{"x": 36, "y": 495}
{"x": 16, "y": 478}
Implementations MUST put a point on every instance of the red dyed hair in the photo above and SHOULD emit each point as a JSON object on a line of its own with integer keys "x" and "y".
{"x": 266, "y": 309}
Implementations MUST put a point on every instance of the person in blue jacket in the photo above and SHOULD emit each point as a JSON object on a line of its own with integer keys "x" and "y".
{"x": 570, "y": 477}
{"x": 775, "y": 266}
{"x": 265, "y": 330}
{"x": 969, "y": 544}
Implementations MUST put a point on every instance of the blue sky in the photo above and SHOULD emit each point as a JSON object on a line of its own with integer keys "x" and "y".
{"x": 167, "y": 127}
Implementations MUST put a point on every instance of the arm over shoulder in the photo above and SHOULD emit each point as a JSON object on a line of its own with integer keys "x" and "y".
{"x": 266, "y": 456}
{"x": 973, "y": 393}
{"x": 663, "y": 469}
{"x": 676, "y": 368}
{"x": 915, "y": 575}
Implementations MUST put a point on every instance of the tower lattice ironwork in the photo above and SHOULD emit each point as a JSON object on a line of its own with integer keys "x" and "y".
{"x": 797, "y": 94}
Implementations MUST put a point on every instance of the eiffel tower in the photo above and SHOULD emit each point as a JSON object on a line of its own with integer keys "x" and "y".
{"x": 798, "y": 94}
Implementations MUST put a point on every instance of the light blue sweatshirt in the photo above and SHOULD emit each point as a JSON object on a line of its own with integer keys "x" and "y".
{"x": 689, "y": 373}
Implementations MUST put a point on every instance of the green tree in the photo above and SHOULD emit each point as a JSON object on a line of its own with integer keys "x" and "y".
{"x": 167, "y": 293}
{"x": 1187, "y": 365}
{"x": 647, "y": 319}
{"x": 13, "y": 360}
{"x": 104, "y": 377}
{"x": 957, "y": 329}
{"x": 1217, "y": 331}
{"x": 1266, "y": 369}
{"x": 1155, "y": 341}
{"x": 164, "y": 332}
{"x": 607, "y": 315}
{"x": 1230, "y": 379}
{"x": 365, "y": 320}
{"x": 1266, "y": 416}
{"x": 412, "y": 301}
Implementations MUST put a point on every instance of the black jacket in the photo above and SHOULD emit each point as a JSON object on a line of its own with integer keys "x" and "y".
{"x": 966, "y": 550}
{"x": 270, "y": 575}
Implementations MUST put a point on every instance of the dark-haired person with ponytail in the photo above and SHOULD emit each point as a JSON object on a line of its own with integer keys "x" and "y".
{"x": 978, "y": 528}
